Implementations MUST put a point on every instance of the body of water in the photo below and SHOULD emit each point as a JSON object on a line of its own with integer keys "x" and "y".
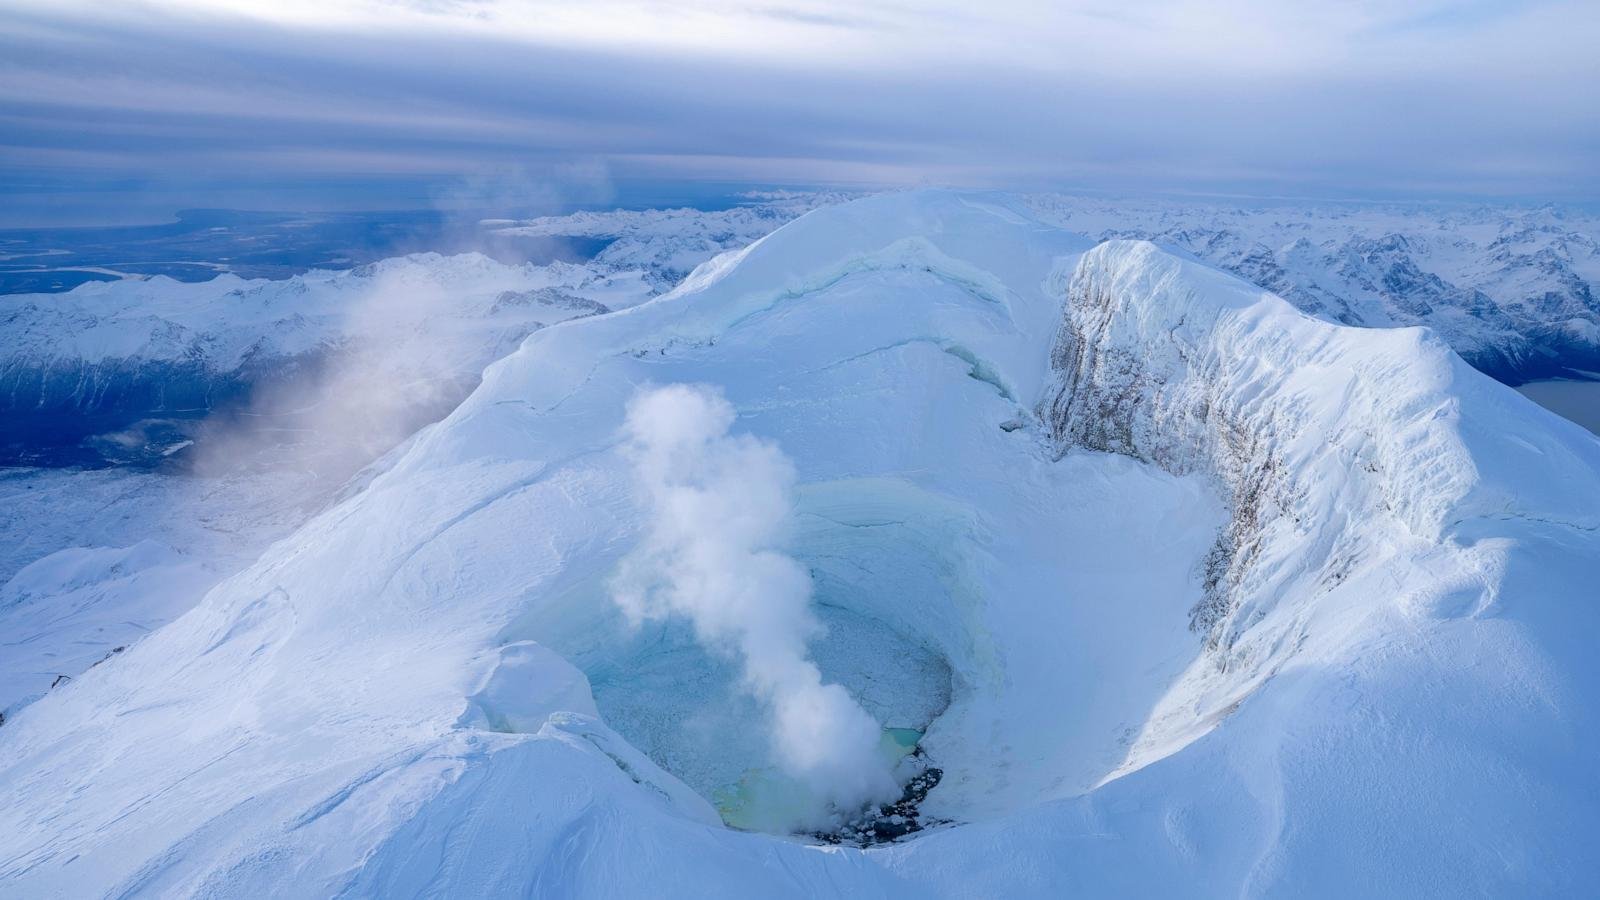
{"x": 1576, "y": 400}
{"x": 203, "y": 244}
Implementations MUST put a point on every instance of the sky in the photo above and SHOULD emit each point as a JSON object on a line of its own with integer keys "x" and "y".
{"x": 117, "y": 109}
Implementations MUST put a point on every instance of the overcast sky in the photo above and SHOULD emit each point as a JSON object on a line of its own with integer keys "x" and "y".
{"x": 570, "y": 100}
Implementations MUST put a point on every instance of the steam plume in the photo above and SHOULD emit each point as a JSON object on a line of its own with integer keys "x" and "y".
{"x": 721, "y": 503}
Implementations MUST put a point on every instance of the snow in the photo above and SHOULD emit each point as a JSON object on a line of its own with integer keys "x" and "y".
{"x": 455, "y": 313}
{"x": 1511, "y": 289}
{"x": 1201, "y": 594}
{"x": 305, "y": 380}
{"x": 94, "y": 560}
{"x": 668, "y": 244}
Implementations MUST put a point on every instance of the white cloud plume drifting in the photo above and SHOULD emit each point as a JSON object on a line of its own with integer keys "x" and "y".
{"x": 720, "y": 504}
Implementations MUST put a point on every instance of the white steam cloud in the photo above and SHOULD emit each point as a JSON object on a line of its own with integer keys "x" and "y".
{"x": 390, "y": 369}
{"x": 721, "y": 504}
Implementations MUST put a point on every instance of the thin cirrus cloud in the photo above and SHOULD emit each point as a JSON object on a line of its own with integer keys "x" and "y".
{"x": 1448, "y": 98}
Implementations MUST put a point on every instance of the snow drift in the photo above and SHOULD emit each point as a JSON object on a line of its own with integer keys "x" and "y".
{"x": 1182, "y": 590}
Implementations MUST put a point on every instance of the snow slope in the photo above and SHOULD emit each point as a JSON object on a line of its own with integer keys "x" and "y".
{"x": 242, "y": 405}
{"x": 274, "y": 392}
{"x": 1201, "y": 595}
{"x": 93, "y": 560}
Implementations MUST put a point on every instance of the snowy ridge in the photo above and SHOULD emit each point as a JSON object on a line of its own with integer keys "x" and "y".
{"x": 425, "y": 690}
{"x": 1512, "y": 290}
{"x": 668, "y": 244}
{"x": 1166, "y": 361}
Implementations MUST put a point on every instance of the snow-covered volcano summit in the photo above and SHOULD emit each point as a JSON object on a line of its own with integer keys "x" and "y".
{"x": 1181, "y": 591}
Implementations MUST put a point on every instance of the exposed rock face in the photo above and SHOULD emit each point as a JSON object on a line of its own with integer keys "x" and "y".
{"x": 1329, "y": 450}
{"x": 1161, "y": 398}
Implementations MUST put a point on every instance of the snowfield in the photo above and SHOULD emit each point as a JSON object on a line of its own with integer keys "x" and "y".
{"x": 1183, "y": 590}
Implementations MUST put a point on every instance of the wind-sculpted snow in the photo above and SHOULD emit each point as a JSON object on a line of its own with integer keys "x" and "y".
{"x": 427, "y": 689}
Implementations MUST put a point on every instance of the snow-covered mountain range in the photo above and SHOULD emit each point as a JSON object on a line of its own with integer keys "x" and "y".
{"x": 111, "y": 355}
{"x": 667, "y": 244}
{"x": 121, "y": 371}
{"x": 1514, "y": 291}
{"x": 274, "y": 392}
{"x": 1179, "y": 590}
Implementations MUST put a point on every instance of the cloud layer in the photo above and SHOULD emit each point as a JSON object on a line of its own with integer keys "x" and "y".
{"x": 1441, "y": 98}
